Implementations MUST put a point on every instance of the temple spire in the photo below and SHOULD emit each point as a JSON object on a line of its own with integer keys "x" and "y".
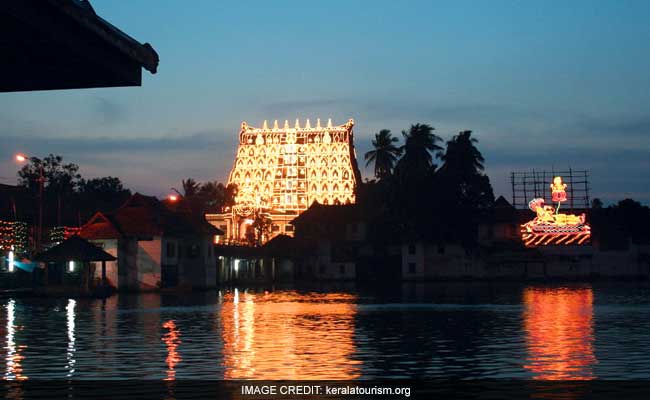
{"x": 329, "y": 122}
{"x": 318, "y": 123}
{"x": 297, "y": 123}
{"x": 275, "y": 125}
{"x": 286, "y": 124}
{"x": 265, "y": 126}
{"x": 307, "y": 125}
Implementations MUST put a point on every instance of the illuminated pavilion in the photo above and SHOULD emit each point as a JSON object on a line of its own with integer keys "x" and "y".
{"x": 280, "y": 171}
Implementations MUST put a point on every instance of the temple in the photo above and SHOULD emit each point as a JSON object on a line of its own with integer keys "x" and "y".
{"x": 280, "y": 171}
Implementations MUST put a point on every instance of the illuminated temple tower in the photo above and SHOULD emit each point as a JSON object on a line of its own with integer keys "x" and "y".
{"x": 281, "y": 171}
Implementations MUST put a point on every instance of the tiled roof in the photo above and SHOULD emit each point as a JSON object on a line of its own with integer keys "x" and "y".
{"x": 146, "y": 216}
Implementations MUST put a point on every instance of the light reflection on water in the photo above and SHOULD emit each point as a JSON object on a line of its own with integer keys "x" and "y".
{"x": 14, "y": 356}
{"x": 559, "y": 333}
{"x": 453, "y": 331}
{"x": 287, "y": 335}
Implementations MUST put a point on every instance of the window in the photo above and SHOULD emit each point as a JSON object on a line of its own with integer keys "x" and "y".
{"x": 275, "y": 228}
{"x": 193, "y": 251}
{"x": 288, "y": 228}
{"x": 411, "y": 268}
{"x": 411, "y": 249}
{"x": 342, "y": 269}
{"x": 171, "y": 249}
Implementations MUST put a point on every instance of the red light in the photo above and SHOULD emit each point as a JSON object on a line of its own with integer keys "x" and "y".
{"x": 172, "y": 197}
{"x": 21, "y": 158}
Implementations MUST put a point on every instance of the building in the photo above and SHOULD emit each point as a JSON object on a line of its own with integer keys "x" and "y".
{"x": 501, "y": 224}
{"x": 64, "y": 44}
{"x": 280, "y": 171}
{"x": 156, "y": 246}
{"x": 332, "y": 237}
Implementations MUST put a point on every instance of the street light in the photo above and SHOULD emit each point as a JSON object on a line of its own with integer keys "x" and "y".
{"x": 175, "y": 197}
{"x": 41, "y": 182}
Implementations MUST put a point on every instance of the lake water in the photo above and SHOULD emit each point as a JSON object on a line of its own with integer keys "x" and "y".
{"x": 451, "y": 330}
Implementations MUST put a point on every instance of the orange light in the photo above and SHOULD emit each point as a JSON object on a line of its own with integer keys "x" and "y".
{"x": 284, "y": 169}
{"x": 558, "y": 323}
{"x": 21, "y": 157}
{"x": 258, "y": 329}
{"x": 172, "y": 197}
{"x": 550, "y": 227}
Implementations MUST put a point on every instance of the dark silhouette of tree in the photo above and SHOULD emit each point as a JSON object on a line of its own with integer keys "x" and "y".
{"x": 420, "y": 146}
{"x": 215, "y": 195}
{"x": 462, "y": 175}
{"x": 190, "y": 187}
{"x": 59, "y": 177}
{"x": 462, "y": 156}
{"x": 259, "y": 231}
{"x": 100, "y": 194}
{"x": 596, "y": 204}
{"x": 634, "y": 219}
{"x": 384, "y": 155}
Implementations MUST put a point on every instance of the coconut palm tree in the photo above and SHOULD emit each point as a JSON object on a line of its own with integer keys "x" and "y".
{"x": 190, "y": 187}
{"x": 384, "y": 155}
{"x": 420, "y": 145}
{"x": 462, "y": 156}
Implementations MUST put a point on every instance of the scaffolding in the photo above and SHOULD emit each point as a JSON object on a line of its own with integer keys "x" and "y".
{"x": 528, "y": 185}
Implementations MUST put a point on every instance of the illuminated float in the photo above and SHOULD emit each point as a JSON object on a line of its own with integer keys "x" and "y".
{"x": 550, "y": 227}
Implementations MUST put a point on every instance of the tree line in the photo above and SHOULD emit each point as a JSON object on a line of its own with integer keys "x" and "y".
{"x": 424, "y": 190}
{"x": 70, "y": 199}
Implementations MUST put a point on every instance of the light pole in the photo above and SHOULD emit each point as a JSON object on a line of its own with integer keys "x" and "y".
{"x": 41, "y": 183}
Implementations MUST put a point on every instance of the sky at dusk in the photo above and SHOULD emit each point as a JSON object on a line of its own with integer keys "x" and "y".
{"x": 545, "y": 84}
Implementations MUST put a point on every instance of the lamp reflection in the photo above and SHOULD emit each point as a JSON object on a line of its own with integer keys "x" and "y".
{"x": 14, "y": 357}
{"x": 559, "y": 330}
{"x": 172, "y": 340}
{"x": 71, "y": 337}
{"x": 288, "y": 335}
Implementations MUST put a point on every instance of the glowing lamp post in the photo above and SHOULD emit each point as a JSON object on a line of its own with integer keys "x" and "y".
{"x": 21, "y": 158}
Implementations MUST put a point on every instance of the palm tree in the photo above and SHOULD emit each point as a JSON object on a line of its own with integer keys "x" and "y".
{"x": 190, "y": 187}
{"x": 462, "y": 156}
{"x": 420, "y": 143}
{"x": 384, "y": 155}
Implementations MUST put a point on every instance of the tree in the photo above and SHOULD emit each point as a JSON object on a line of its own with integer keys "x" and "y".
{"x": 259, "y": 230}
{"x": 101, "y": 194}
{"x": 384, "y": 155}
{"x": 597, "y": 204}
{"x": 461, "y": 176}
{"x": 462, "y": 157}
{"x": 105, "y": 185}
{"x": 59, "y": 177}
{"x": 215, "y": 195}
{"x": 190, "y": 187}
{"x": 420, "y": 145}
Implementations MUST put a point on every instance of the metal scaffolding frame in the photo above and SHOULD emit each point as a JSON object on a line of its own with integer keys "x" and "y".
{"x": 527, "y": 185}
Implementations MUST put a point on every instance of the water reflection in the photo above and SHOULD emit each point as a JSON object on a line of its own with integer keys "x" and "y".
{"x": 71, "y": 337}
{"x": 288, "y": 335}
{"x": 14, "y": 356}
{"x": 558, "y": 324}
{"x": 172, "y": 340}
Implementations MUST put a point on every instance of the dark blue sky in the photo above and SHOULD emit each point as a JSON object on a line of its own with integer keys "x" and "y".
{"x": 542, "y": 84}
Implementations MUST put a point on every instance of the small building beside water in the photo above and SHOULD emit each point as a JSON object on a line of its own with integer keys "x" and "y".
{"x": 156, "y": 246}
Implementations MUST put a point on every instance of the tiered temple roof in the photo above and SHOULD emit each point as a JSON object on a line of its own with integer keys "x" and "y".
{"x": 286, "y": 169}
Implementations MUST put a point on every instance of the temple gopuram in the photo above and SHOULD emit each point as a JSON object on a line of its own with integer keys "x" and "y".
{"x": 280, "y": 171}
